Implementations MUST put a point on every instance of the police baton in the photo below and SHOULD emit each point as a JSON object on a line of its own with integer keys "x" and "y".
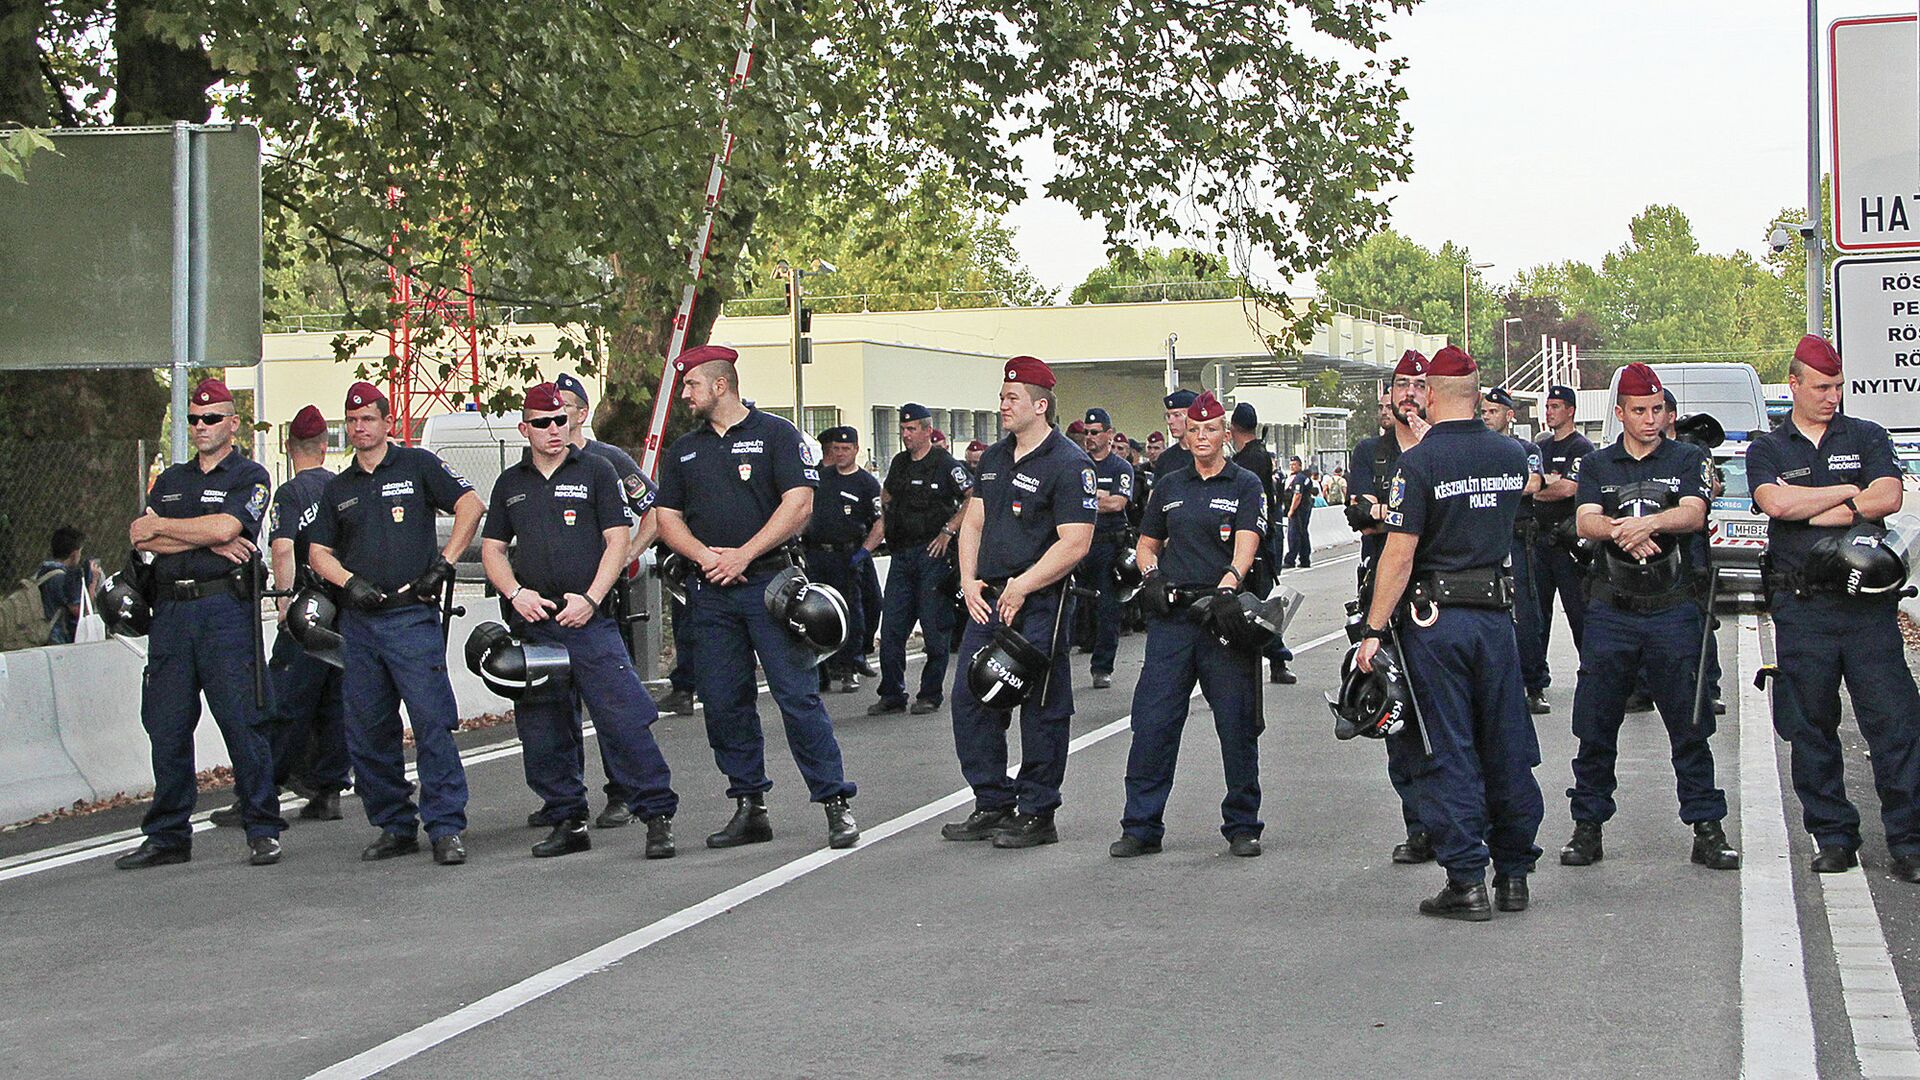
{"x": 449, "y": 611}
{"x": 257, "y": 591}
{"x": 1413, "y": 692}
{"x": 1700, "y": 703}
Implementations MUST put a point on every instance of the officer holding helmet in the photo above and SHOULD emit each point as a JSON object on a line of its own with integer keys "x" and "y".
{"x": 565, "y": 513}
{"x": 1643, "y": 497}
{"x": 374, "y": 541}
{"x": 1115, "y": 480}
{"x": 1198, "y": 541}
{"x": 1029, "y": 524}
{"x": 1819, "y": 477}
{"x": 1449, "y": 518}
{"x": 841, "y": 536}
{"x": 734, "y": 493}
{"x": 1497, "y": 412}
{"x": 201, "y": 521}
{"x": 922, "y": 501}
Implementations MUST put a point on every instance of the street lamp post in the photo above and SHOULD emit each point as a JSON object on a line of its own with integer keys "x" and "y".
{"x": 1506, "y": 354}
{"x": 1466, "y": 301}
{"x": 796, "y": 314}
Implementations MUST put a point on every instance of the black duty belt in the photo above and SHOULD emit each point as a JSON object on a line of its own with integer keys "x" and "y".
{"x": 1483, "y": 587}
{"x": 185, "y": 589}
{"x": 849, "y": 545}
{"x": 1600, "y": 589}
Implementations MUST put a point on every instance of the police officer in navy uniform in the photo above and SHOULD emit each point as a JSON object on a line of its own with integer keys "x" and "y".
{"x": 1816, "y": 476}
{"x": 638, "y": 491}
{"x": 1029, "y": 524}
{"x": 1497, "y": 412}
{"x": 922, "y": 500}
{"x": 1375, "y": 460}
{"x": 1297, "y": 493}
{"x": 841, "y": 537}
{"x": 566, "y": 514}
{"x": 1558, "y": 572}
{"x": 1643, "y": 496}
{"x": 1176, "y": 456}
{"x": 1250, "y": 453}
{"x": 374, "y": 540}
{"x": 202, "y": 519}
{"x": 1201, "y": 534}
{"x": 1449, "y": 519}
{"x": 735, "y": 492}
{"x": 1114, "y": 478}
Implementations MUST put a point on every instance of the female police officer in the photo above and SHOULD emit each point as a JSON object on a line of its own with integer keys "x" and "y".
{"x": 1202, "y": 530}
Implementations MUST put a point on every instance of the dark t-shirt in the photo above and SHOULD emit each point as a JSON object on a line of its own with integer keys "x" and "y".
{"x": 555, "y": 522}
{"x": 728, "y": 486}
{"x": 295, "y": 507}
{"x": 1301, "y": 484}
{"x": 844, "y": 507}
{"x": 380, "y": 524}
{"x": 237, "y": 485}
{"x": 1196, "y": 519}
{"x": 59, "y": 594}
{"x": 1114, "y": 477}
{"x": 1557, "y": 456}
{"x": 1026, "y": 501}
{"x": 1458, "y": 491}
{"x": 1854, "y": 451}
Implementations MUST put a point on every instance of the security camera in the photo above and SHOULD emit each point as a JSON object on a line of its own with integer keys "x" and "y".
{"x": 1780, "y": 239}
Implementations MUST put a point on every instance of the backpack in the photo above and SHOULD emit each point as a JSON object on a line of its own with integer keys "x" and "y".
{"x": 23, "y": 620}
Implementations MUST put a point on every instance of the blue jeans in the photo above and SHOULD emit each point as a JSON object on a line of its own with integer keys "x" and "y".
{"x": 1179, "y": 654}
{"x": 733, "y": 626}
{"x": 395, "y": 656}
{"x": 307, "y": 721}
{"x": 980, "y": 731}
{"x": 915, "y": 592}
{"x": 604, "y": 681}
{"x": 1664, "y": 646}
{"x": 194, "y": 646}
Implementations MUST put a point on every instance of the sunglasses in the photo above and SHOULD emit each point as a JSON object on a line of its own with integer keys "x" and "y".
{"x": 548, "y": 421}
{"x": 208, "y": 419}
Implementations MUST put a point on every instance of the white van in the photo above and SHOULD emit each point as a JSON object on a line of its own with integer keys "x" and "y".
{"x": 1731, "y": 393}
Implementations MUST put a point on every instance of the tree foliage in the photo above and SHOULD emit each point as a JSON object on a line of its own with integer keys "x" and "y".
{"x": 1159, "y": 274}
{"x": 1392, "y": 274}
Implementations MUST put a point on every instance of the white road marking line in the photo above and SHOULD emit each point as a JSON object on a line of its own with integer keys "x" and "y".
{"x": 1776, "y": 1014}
{"x": 1876, "y": 1007}
{"x": 411, "y": 1044}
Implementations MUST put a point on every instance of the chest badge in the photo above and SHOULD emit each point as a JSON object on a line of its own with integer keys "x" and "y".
{"x": 399, "y": 514}
{"x": 1226, "y": 531}
{"x": 1016, "y": 508}
{"x": 746, "y": 472}
{"x": 570, "y": 516}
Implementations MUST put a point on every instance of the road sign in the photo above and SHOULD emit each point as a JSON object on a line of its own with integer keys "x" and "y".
{"x": 1876, "y": 311}
{"x": 1873, "y": 69}
{"x": 1220, "y": 378}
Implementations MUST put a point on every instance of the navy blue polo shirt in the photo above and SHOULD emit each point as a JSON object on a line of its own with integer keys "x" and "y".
{"x": 638, "y": 491}
{"x": 1026, "y": 501}
{"x": 1196, "y": 517}
{"x": 1681, "y": 468}
{"x": 845, "y": 506}
{"x": 1254, "y": 458}
{"x": 1536, "y": 465}
{"x": 1458, "y": 491}
{"x": 554, "y": 522}
{"x": 380, "y": 524}
{"x": 1113, "y": 477}
{"x": 1558, "y": 456}
{"x": 237, "y": 486}
{"x": 295, "y": 506}
{"x": 1173, "y": 459}
{"x": 923, "y": 495}
{"x": 1854, "y": 451}
{"x": 1365, "y": 479}
{"x": 728, "y": 486}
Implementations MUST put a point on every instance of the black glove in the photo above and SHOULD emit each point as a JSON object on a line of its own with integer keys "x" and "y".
{"x": 1202, "y": 610}
{"x": 1154, "y": 597}
{"x": 1360, "y": 512}
{"x": 426, "y": 588}
{"x": 360, "y": 593}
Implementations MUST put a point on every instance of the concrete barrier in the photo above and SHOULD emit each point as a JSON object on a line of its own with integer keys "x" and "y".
{"x": 36, "y": 774}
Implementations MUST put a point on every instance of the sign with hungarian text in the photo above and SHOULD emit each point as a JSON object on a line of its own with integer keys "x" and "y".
{"x": 1873, "y": 67}
{"x": 1876, "y": 312}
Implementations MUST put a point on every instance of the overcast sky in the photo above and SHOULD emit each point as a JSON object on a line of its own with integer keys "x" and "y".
{"x": 1540, "y": 127}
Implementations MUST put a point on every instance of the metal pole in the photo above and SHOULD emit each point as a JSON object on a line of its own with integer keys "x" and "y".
{"x": 1173, "y": 377}
{"x": 1466, "y": 304}
{"x": 1816, "y": 259}
{"x": 182, "y": 301}
{"x": 197, "y": 251}
{"x": 799, "y": 371}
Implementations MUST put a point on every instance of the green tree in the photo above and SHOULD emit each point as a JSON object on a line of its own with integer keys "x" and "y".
{"x": 1392, "y": 274}
{"x": 1159, "y": 274}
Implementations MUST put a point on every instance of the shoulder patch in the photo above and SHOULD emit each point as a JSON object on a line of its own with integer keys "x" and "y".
{"x": 455, "y": 473}
{"x": 1089, "y": 482}
{"x": 1399, "y": 493}
{"x": 257, "y": 502}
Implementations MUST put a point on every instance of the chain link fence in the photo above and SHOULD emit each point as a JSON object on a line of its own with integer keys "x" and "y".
{"x": 96, "y": 486}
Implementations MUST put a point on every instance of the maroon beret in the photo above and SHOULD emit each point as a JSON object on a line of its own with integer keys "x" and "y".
{"x": 1026, "y": 369}
{"x": 939, "y": 436}
{"x": 1076, "y": 428}
{"x": 211, "y": 392}
{"x": 1817, "y": 353}
{"x": 1158, "y": 436}
{"x": 1451, "y": 362}
{"x": 1412, "y": 362}
{"x": 703, "y": 354}
{"x": 362, "y": 394}
{"x": 543, "y": 398}
{"x": 1638, "y": 380}
{"x": 307, "y": 423}
{"x": 1206, "y": 407}
{"x": 975, "y": 445}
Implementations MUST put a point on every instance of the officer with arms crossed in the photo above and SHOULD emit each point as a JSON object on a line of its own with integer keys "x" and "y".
{"x": 925, "y": 493}
{"x": 373, "y": 540}
{"x": 1115, "y": 479}
{"x": 1559, "y": 574}
{"x": 1029, "y": 524}
{"x": 565, "y": 512}
{"x": 1375, "y": 460}
{"x": 734, "y": 493}
{"x": 1819, "y": 477}
{"x": 841, "y": 536}
{"x": 202, "y": 518}
{"x": 1497, "y": 412}
{"x": 1449, "y": 518}
{"x": 1644, "y": 496}
{"x": 1202, "y": 531}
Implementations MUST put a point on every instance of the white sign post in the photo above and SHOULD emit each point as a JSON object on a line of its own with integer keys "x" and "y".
{"x": 1876, "y": 311}
{"x": 1874, "y": 68}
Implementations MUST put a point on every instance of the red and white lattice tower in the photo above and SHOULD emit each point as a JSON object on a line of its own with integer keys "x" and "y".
{"x": 433, "y": 348}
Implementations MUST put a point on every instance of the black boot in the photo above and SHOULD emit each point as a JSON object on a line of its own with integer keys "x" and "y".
{"x": 1584, "y": 848}
{"x": 1834, "y": 860}
{"x": 842, "y": 830}
{"x": 1027, "y": 830}
{"x": 1905, "y": 868}
{"x": 263, "y": 850}
{"x": 1281, "y": 675}
{"x": 565, "y": 839}
{"x": 1417, "y": 849}
{"x": 1510, "y": 893}
{"x": 615, "y": 815}
{"x": 749, "y": 824}
{"x": 677, "y": 702}
{"x": 1456, "y": 901}
{"x": 324, "y": 806}
{"x": 1132, "y": 847}
{"x": 660, "y": 837}
{"x": 980, "y": 825}
{"x": 1537, "y": 703}
{"x": 1711, "y": 849}
{"x": 390, "y": 845}
{"x": 227, "y": 817}
{"x": 150, "y": 853}
{"x": 450, "y": 851}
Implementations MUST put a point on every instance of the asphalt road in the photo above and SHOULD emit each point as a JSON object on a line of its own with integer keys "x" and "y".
{"x": 910, "y": 956}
